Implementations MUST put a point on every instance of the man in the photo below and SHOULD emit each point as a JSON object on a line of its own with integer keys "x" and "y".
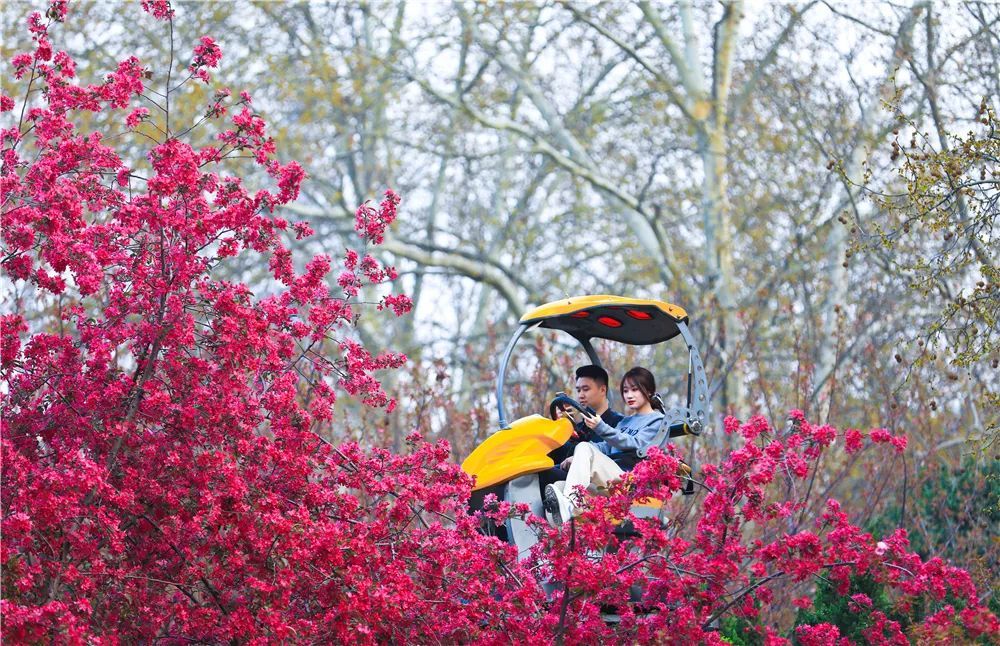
{"x": 592, "y": 391}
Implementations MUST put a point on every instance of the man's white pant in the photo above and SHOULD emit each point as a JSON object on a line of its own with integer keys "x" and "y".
{"x": 589, "y": 467}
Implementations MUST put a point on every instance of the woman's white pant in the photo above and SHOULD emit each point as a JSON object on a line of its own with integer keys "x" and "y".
{"x": 590, "y": 467}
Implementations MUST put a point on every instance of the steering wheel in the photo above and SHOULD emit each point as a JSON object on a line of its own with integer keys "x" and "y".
{"x": 562, "y": 399}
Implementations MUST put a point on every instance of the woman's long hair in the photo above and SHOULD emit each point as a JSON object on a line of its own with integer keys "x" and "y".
{"x": 645, "y": 382}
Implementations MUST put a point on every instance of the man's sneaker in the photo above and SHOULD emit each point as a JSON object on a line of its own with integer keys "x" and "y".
{"x": 551, "y": 507}
{"x": 556, "y": 505}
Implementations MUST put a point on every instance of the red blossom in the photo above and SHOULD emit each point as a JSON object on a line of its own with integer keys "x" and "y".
{"x": 207, "y": 53}
{"x": 372, "y": 223}
{"x": 21, "y": 63}
{"x": 820, "y": 635}
{"x": 979, "y": 622}
{"x": 135, "y": 117}
{"x": 57, "y": 10}
{"x": 899, "y": 443}
{"x": 885, "y": 631}
{"x": 400, "y": 304}
{"x": 879, "y": 435}
{"x": 44, "y": 50}
{"x": 11, "y": 326}
{"x": 302, "y": 230}
{"x": 36, "y": 27}
{"x": 160, "y": 9}
{"x": 882, "y": 436}
{"x": 289, "y": 177}
{"x": 853, "y": 440}
{"x": 65, "y": 65}
{"x": 859, "y": 602}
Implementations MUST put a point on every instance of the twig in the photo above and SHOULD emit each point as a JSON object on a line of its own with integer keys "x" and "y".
{"x": 560, "y": 638}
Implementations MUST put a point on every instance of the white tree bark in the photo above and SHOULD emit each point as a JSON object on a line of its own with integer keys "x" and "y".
{"x": 708, "y": 113}
{"x": 837, "y": 241}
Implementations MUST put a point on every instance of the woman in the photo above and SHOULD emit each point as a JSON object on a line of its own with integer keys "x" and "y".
{"x": 601, "y": 463}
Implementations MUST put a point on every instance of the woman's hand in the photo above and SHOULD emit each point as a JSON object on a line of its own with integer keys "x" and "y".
{"x": 591, "y": 421}
{"x": 564, "y": 465}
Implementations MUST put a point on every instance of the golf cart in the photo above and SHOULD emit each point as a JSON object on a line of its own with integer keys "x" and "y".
{"x": 508, "y": 462}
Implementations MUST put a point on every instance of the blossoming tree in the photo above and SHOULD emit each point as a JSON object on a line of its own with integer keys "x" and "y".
{"x": 163, "y": 477}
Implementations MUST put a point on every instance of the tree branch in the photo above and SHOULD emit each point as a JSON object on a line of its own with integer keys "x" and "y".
{"x": 634, "y": 54}
{"x": 736, "y": 108}
{"x": 653, "y": 18}
{"x": 638, "y": 220}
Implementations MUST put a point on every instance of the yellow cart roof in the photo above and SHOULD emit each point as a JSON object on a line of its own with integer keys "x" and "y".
{"x": 635, "y": 321}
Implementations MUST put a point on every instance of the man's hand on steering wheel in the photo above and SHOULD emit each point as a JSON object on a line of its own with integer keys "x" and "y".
{"x": 567, "y": 412}
{"x": 563, "y": 403}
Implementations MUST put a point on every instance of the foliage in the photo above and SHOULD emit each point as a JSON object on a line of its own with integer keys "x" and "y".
{"x": 953, "y": 512}
{"x": 164, "y": 480}
{"x": 955, "y": 192}
{"x": 740, "y": 631}
{"x": 867, "y": 605}
{"x": 852, "y": 613}
{"x": 941, "y": 231}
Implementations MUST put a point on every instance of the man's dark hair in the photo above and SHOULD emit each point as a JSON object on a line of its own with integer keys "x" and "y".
{"x": 597, "y": 373}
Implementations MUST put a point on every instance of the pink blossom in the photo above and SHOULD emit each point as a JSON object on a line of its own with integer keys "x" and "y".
{"x": 348, "y": 281}
{"x": 176, "y": 168}
{"x": 57, "y": 10}
{"x": 302, "y": 230}
{"x": 11, "y": 325}
{"x": 64, "y": 64}
{"x": 21, "y": 63}
{"x": 123, "y": 84}
{"x": 399, "y": 303}
{"x": 135, "y": 117}
{"x": 160, "y": 9}
{"x": 880, "y": 435}
{"x": 207, "y": 53}
{"x": 36, "y": 26}
{"x": 44, "y": 50}
{"x": 898, "y": 442}
{"x": 290, "y": 177}
{"x": 859, "y": 601}
{"x": 755, "y": 427}
{"x": 818, "y": 635}
{"x": 371, "y": 224}
{"x": 853, "y": 440}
